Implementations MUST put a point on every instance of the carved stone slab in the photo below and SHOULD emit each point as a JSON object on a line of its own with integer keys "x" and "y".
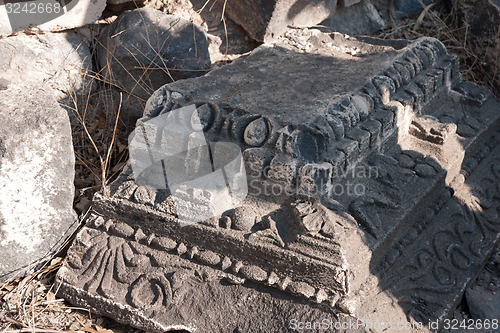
{"x": 372, "y": 195}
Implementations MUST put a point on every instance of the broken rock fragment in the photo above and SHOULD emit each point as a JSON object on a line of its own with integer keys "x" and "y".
{"x": 61, "y": 60}
{"x": 36, "y": 178}
{"x": 265, "y": 21}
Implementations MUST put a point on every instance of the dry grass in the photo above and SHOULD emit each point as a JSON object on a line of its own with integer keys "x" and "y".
{"x": 435, "y": 21}
{"x": 100, "y": 133}
{"x": 101, "y": 123}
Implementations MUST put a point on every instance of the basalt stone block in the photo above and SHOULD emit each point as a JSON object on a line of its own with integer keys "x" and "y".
{"x": 391, "y": 232}
{"x": 348, "y": 3}
{"x": 483, "y": 299}
{"x": 36, "y": 178}
{"x": 409, "y": 7}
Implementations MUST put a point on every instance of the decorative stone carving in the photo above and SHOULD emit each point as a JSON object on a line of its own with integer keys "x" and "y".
{"x": 371, "y": 204}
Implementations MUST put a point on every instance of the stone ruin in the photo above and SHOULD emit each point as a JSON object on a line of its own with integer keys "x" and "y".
{"x": 373, "y": 193}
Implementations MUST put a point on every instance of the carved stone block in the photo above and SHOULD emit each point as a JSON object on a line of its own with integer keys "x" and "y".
{"x": 365, "y": 202}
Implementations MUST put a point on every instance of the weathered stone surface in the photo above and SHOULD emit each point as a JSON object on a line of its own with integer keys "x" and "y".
{"x": 362, "y": 18}
{"x": 266, "y": 21}
{"x": 36, "y": 178}
{"x": 483, "y": 304}
{"x": 48, "y": 15}
{"x": 185, "y": 294}
{"x": 145, "y": 48}
{"x": 61, "y": 60}
{"x": 367, "y": 199}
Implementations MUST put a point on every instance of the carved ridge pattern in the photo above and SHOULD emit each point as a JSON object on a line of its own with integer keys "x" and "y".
{"x": 114, "y": 249}
{"x": 428, "y": 215}
{"x": 438, "y": 264}
{"x": 416, "y": 77}
{"x": 109, "y": 261}
{"x": 382, "y": 202}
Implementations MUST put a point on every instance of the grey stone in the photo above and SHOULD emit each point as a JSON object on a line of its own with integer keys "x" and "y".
{"x": 145, "y": 48}
{"x": 373, "y": 127}
{"x": 53, "y": 17}
{"x": 351, "y": 150}
{"x": 361, "y": 18}
{"x": 401, "y": 228}
{"x": 338, "y": 161}
{"x": 301, "y": 289}
{"x": 347, "y": 3}
{"x": 62, "y": 60}
{"x": 283, "y": 169}
{"x": 425, "y": 170}
{"x": 483, "y": 296}
{"x": 267, "y": 21}
{"x": 36, "y": 178}
{"x": 316, "y": 177}
{"x": 361, "y": 136}
{"x": 406, "y": 162}
{"x": 483, "y": 303}
{"x": 208, "y": 258}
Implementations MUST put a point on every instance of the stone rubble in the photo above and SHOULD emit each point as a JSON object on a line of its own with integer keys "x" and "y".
{"x": 353, "y": 180}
